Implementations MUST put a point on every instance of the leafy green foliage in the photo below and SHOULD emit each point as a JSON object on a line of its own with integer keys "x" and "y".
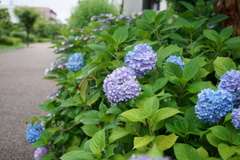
{"x": 161, "y": 121}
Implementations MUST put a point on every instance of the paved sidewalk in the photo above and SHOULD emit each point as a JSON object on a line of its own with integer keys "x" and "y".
{"x": 22, "y": 89}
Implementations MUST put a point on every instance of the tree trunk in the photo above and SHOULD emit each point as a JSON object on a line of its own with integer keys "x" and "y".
{"x": 232, "y": 9}
{"x": 27, "y": 40}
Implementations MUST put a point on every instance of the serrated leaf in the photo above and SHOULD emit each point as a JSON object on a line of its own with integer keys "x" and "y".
{"x": 90, "y": 129}
{"x": 226, "y": 33}
{"x": 172, "y": 69}
{"x": 121, "y": 34}
{"x": 48, "y": 156}
{"x": 97, "y": 143}
{"x": 191, "y": 69}
{"x": 68, "y": 102}
{"x": 218, "y": 18}
{"x": 185, "y": 152}
{"x": 98, "y": 47}
{"x": 202, "y": 153}
{"x": 151, "y": 106}
{"x": 134, "y": 115}
{"x": 164, "y": 113}
{"x": 213, "y": 140}
{"x": 223, "y": 64}
{"x": 189, "y": 6}
{"x": 226, "y": 151}
{"x": 165, "y": 142}
{"x": 212, "y": 35}
{"x": 196, "y": 87}
{"x": 221, "y": 132}
{"x": 150, "y": 15}
{"x": 145, "y": 25}
{"x": 118, "y": 133}
{"x": 83, "y": 90}
{"x": 142, "y": 141}
{"x": 159, "y": 84}
{"x": 77, "y": 155}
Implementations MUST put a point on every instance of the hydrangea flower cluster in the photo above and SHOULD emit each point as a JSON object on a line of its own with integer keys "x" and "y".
{"x": 39, "y": 152}
{"x": 230, "y": 82}
{"x": 176, "y": 60}
{"x": 141, "y": 59}
{"x": 121, "y": 85}
{"x": 62, "y": 48}
{"x": 146, "y": 157}
{"x": 236, "y": 118}
{"x": 75, "y": 62}
{"x": 33, "y": 132}
{"x": 54, "y": 65}
{"x": 213, "y": 105}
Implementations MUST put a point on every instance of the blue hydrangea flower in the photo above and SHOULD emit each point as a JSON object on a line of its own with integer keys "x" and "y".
{"x": 230, "y": 82}
{"x": 121, "y": 85}
{"x": 236, "y": 118}
{"x": 213, "y": 105}
{"x": 176, "y": 60}
{"x": 75, "y": 62}
{"x": 141, "y": 59}
{"x": 146, "y": 157}
{"x": 33, "y": 132}
{"x": 39, "y": 152}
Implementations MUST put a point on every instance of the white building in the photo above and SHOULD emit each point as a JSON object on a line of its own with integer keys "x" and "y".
{"x": 11, "y": 8}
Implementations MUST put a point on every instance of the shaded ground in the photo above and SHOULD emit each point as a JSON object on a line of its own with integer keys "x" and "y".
{"x": 22, "y": 89}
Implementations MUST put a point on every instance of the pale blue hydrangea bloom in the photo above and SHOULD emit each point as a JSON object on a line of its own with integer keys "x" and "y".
{"x": 230, "y": 82}
{"x": 39, "y": 152}
{"x": 146, "y": 157}
{"x": 121, "y": 85}
{"x": 176, "y": 60}
{"x": 141, "y": 59}
{"x": 33, "y": 132}
{"x": 75, "y": 62}
{"x": 236, "y": 118}
{"x": 213, "y": 105}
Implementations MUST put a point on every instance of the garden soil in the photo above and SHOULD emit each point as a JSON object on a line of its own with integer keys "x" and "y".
{"x": 22, "y": 89}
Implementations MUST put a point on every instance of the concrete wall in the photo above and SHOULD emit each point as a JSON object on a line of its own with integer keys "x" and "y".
{"x": 132, "y": 6}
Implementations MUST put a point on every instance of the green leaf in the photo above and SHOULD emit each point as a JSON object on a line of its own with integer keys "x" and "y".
{"x": 163, "y": 16}
{"x": 221, "y": 133}
{"x": 223, "y": 64}
{"x": 77, "y": 155}
{"x": 150, "y": 15}
{"x": 196, "y": 87}
{"x": 58, "y": 139}
{"x": 218, "y": 18}
{"x": 145, "y": 25}
{"x": 164, "y": 113}
{"x": 134, "y": 115}
{"x": 121, "y": 34}
{"x": 226, "y": 151}
{"x": 38, "y": 143}
{"x": 212, "y": 35}
{"x": 165, "y": 142}
{"x": 98, "y": 47}
{"x": 185, "y": 152}
{"x": 90, "y": 117}
{"x": 226, "y": 33}
{"x": 142, "y": 141}
{"x": 110, "y": 150}
{"x": 46, "y": 136}
{"x": 97, "y": 143}
{"x": 171, "y": 128}
{"x": 93, "y": 98}
{"x": 174, "y": 25}
{"x": 171, "y": 69}
{"x": 90, "y": 129}
{"x": 198, "y": 24}
{"x": 232, "y": 42}
{"x": 118, "y": 133}
{"x": 68, "y": 102}
{"x": 163, "y": 53}
{"x": 213, "y": 140}
{"x": 183, "y": 22}
{"x": 151, "y": 106}
{"x": 191, "y": 69}
{"x": 189, "y": 6}
{"x": 108, "y": 38}
{"x": 114, "y": 110}
{"x": 83, "y": 90}
{"x": 181, "y": 124}
{"x": 159, "y": 84}
{"x": 202, "y": 153}
{"x": 48, "y": 156}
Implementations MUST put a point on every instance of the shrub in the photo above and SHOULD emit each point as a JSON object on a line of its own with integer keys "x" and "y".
{"x": 10, "y": 40}
{"x": 42, "y": 40}
{"x": 18, "y": 34}
{"x": 105, "y": 111}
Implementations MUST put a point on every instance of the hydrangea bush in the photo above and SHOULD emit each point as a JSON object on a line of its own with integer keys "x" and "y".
{"x": 156, "y": 85}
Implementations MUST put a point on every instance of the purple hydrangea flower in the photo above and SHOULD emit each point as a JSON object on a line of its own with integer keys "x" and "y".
{"x": 75, "y": 62}
{"x": 236, "y": 118}
{"x": 213, "y": 105}
{"x": 33, "y": 132}
{"x": 230, "y": 82}
{"x": 121, "y": 85}
{"x": 141, "y": 59}
{"x": 176, "y": 60}
{"x": 146, "y": 157}
{"x": 39, "y": 152}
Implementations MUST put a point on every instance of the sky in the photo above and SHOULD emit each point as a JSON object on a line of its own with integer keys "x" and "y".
{"x": 63, "y": 8}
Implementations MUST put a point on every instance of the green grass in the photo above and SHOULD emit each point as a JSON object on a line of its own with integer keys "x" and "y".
{"x": 6, "y": 47}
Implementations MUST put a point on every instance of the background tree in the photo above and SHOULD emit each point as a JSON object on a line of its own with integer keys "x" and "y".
{"x": 5, "y": 23}
{"x": 27, "y": 17}
{"x": 85, "y": 9}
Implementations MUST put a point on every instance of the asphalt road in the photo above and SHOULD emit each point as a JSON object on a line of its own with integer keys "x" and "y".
{"x": 22, "y": 89}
